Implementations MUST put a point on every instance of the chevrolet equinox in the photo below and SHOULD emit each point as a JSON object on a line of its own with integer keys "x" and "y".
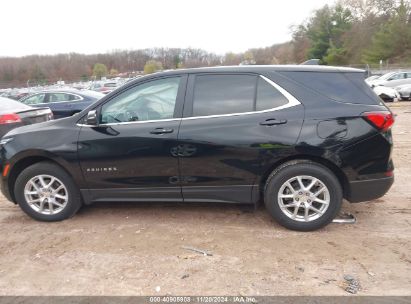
{"x": 298, "y": 138}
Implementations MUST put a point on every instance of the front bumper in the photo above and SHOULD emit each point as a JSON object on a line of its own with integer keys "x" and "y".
{"x": 367, "y": 190}
{"x": 4, "y": 189}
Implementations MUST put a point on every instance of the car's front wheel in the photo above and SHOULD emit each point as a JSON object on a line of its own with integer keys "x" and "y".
{"x": 303, "y": 195}
{"x": 47, "y": 193}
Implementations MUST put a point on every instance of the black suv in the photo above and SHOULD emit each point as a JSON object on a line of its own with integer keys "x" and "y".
{"x": 298, "y": 138}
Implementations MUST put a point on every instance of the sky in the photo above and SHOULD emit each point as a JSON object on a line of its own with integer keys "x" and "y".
{"x": 92, "y": 26}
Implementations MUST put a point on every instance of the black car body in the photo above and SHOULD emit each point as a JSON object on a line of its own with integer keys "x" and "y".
{"x": 14, "y": 114}
{"x": 285, "y": 135}
{"x": 63, "y": 102}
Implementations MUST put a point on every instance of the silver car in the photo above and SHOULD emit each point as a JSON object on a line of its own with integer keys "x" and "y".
{"x": 392, "y": 79}
{"x": 404, "y": 91}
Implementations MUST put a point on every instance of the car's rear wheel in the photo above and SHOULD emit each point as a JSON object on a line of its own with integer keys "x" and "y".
{"x": 47, "y": 193}
{"x": 303, "y": 195}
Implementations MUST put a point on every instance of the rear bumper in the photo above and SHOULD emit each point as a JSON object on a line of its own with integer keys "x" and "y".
{"x": 367, "y": 190}
{"x": 404, "y": 94}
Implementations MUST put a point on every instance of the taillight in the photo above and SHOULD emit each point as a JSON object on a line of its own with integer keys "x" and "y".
{"x": 383, "y": 121}
{"x": 9, "y": 118}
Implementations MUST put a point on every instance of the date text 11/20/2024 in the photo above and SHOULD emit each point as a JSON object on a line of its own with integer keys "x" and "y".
{"x": 200, "y": 299}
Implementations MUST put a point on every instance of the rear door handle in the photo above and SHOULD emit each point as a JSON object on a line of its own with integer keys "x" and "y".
{"x": 273, "y": 122}
{"x": 162, "y": 131}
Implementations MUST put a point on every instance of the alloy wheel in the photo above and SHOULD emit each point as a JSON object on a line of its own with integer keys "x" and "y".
{"x": 46, "y": 194}
{"x": 304, "y": 198}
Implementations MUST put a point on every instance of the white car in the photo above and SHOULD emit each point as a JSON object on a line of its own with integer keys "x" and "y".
{"x": 387, "y": 94}
{"x": 392, "y": 79}
{"x": 404, "y": 91}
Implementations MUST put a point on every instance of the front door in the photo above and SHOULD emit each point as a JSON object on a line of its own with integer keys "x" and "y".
{"x": 129, "y": 155}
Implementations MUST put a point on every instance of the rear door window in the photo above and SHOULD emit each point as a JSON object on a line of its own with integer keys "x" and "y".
{"x": 232, "y": 94}
{"x": 58, "y": 97}
{"x": 223, "y": 94}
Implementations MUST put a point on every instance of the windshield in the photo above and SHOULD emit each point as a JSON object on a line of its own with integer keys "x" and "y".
{"x": 386, "y": 76}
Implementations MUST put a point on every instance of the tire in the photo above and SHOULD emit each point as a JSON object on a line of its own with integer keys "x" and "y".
{"x": 67, "y": 199}
{"x": 283, "y": 208}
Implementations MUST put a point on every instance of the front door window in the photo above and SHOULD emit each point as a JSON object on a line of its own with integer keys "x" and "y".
{"x": 153, "y": 100}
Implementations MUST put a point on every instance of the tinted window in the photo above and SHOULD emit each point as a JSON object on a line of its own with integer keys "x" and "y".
{"x": 268, "y": 97}
{"x": 223, "y": 94}
{"x": 342, "y": 87}
{"x": 152, "y": 100}
{"x": 35, "y": 99}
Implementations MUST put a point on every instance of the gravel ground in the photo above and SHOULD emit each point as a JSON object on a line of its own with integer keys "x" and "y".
{"x": 136, "y": 249}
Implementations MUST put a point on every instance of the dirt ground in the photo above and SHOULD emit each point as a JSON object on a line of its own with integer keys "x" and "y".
{"x": 135, "y": 249}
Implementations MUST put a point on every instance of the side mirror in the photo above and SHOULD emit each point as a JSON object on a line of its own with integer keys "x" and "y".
{"x": 92, "y": 118}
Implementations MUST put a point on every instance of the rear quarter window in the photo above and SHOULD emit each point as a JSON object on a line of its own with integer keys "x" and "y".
{"x": 338, "y": 86}
{"x": 268, "y": 97}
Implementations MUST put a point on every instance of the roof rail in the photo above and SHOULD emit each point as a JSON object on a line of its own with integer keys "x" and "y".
{"x": 311, "y": 62}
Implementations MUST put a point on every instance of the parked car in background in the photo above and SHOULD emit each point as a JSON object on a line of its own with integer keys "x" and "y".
{"x": 373, "y": 77}
{"x": 104, "y": 87}
{"x": 404, "y": 91}
{"x": 386, "y": 93}
{"x": 15, "y": 94}
{"x": 391, "y": 79}
{"x": 298, "y": 138}
{"x": 14, "y": 114}
{"x": 63, "y": 102}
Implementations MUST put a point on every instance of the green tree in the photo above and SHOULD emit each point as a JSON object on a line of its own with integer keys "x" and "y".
{"x": 152, "y": 66}
{"x": 341, "y": 22}
{"x": 393, "y": 40}
{"x": 318, "y": 31}
{"x": 100, "y": 70}
{"x": 325, "y": 31}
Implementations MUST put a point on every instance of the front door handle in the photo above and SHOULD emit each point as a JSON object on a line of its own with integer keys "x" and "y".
{"x": 162, "y": 131}
{"x": 273, "y": 122}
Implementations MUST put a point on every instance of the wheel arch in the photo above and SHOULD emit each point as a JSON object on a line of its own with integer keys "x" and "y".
{"x": 342, "y": 178}
{"x": 24, "y": 162}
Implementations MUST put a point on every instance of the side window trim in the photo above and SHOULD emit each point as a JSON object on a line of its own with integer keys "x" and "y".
{"x": 188, "y": 105}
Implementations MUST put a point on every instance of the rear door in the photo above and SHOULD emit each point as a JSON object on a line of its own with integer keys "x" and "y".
{"x": 235, "y": 127}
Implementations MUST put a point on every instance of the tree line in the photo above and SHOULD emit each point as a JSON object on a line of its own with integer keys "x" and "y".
{"x": 345, "y": 33}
